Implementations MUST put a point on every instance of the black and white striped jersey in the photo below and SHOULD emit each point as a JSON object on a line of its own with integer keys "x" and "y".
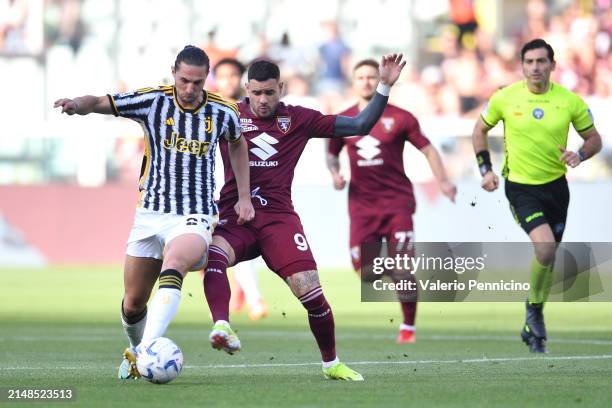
{"x": 178, "y": 168}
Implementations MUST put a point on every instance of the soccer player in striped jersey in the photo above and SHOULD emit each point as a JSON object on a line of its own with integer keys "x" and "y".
{"x": 277, "y": 134}
{"x": 176, "y": 214}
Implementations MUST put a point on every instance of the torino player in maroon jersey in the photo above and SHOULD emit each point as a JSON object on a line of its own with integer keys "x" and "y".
{"x": 277, "y": 134}
{"x": 381, "y": 200}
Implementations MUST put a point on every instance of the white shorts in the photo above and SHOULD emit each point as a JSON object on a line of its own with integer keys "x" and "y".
{"x": 152, "y": 230}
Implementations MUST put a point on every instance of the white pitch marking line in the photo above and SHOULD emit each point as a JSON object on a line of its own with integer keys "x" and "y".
{"x": 473, "y": 360}
{"x": 415, "y": 362}
{"x": 592, "y": 342}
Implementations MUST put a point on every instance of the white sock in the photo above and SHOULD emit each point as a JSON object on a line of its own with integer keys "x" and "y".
{"x": 327, "y": 364}
{"x": 162, "y": 309}
{"x": 246, "y": 275}
{"x": 134, "y": 331}
{"x": 404, "y": 326}
{"x": 223, "y": 322}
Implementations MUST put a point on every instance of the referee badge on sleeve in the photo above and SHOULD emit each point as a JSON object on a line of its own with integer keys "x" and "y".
{"x": 485, "y": 110}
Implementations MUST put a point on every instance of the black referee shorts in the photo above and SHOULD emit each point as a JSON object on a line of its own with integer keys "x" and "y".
{"x": 534, "y": 205}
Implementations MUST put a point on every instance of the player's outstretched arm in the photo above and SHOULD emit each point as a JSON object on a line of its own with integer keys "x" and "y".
{"x": 333, "y": 164}
{"x": 84, "y": 105}
{"x": 590, "y": 147}
{"x": 239, "y": 159}
{"x": 390, "y": 69}
{"x": 490, "y": 181}
{"x": 439, "y": 172}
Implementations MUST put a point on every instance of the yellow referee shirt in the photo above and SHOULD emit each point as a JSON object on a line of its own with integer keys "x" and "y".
{"x": 534, "y": 126}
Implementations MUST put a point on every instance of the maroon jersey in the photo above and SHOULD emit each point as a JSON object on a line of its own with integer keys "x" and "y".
{"x": 275, "y": 146}
{"x": 378, "y": 181}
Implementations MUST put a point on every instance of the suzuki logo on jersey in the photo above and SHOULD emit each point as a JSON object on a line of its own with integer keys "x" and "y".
{"x": 264, "y": 150}
{"x": 368, "y": 149}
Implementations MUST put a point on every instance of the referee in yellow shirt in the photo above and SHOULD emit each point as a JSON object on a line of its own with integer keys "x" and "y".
{"x": 536, "y": 114}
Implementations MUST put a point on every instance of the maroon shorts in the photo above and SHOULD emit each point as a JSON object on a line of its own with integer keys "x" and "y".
{"x": 397, "y": 229}
{"x": 277, "y": 236}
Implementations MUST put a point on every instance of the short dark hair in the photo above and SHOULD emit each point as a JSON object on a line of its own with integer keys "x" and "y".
{"x": 263, "y": 70}
{"x": 230, "y": 61}
{"x": 534, "y": 45}
{"x": 192, "y": 55}
{"x": 366, "y": 62}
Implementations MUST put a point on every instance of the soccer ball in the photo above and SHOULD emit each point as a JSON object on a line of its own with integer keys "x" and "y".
{"x": 159, "y": 360}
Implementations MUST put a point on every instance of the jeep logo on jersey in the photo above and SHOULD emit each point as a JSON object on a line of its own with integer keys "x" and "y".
{"x": 264, "y": 150}
{"x": 368, "y": 149}
{"x": 184, "y": 145}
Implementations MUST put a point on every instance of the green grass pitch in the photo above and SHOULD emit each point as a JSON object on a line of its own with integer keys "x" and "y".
{"x": 59, "y": 327}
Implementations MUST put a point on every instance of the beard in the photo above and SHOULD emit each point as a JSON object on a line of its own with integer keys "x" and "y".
{"x": 369, "y": 96}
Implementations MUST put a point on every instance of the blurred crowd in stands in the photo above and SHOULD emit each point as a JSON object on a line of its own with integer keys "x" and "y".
{"x": 459, "y": 51}
{"x": 452, "y": 72}
{"x": 466, "y": 63}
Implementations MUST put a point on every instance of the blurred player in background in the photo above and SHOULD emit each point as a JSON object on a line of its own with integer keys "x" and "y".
{"x": 278, "y": 134}
{"x": 381, "y": 198}
{"x": 536, "y": 113}
{"x": 228, "y": 76}
{"x": 176, "y": 214}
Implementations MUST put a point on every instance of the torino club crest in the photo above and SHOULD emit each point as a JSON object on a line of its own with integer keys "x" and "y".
{"x": 284, "y": 123}
{"x": 388, "y": 123}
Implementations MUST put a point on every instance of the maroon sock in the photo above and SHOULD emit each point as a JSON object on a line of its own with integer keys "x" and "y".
{"x": 409, "y": 312}
{"x": 216, "y": 285}
{"x": 407, "y": 299}
{"x": 321, "y": 320}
